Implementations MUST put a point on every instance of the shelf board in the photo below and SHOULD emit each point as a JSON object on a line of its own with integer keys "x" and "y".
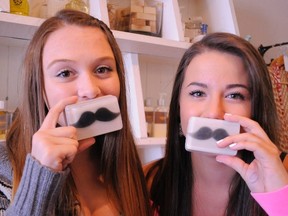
{"x": 150, "y": 142}
{"x": 17, "y": 26}
{"x": 149, "y": 45}
{"x": 22, "y": 28}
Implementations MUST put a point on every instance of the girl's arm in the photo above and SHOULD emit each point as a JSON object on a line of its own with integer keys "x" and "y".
{"x": 38, "y": 190}
{"x": 274, "y": 203}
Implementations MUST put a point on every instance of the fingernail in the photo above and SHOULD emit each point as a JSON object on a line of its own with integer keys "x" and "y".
{"x": 218, "y": 160}
{"x": 219, "y": 141}
{"x": 228, "y": 114}
{"x": 232, "y": 145}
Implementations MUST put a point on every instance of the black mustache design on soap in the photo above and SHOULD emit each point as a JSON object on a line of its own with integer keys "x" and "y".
{"x": 205, "y": 133}
{"x": 102, "y": 114}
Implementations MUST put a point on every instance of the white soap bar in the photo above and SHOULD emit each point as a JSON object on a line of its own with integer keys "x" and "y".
{"x": 203, "y": 133}
{"x": 94, "y": 117}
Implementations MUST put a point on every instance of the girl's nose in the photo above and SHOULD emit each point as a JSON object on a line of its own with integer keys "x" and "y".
{"x": 88, "y": 86}
{"x": 215, "y": 109}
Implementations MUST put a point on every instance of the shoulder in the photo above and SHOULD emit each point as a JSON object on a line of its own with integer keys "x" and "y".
{"x": 5, "y": 179}
{"x": 148, "y": 166}
{"x": 150, "y": 171}
{"x": 5, "y": 165}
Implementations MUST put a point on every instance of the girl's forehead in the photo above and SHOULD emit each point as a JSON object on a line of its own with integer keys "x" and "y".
{"x": 214, "y": 66}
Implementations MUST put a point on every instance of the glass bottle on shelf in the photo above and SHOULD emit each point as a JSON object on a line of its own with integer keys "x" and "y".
{"x": 3, "y": 122}
{"x": 79, "y": 5}
{"x": 160, "y": 117}
{"x": 149, "y": 115}
{"x": 51, "y": 7}
{"x": 20, "y": 7}
{"x": 204, "y": 28}
{"x": 43, "y": 9}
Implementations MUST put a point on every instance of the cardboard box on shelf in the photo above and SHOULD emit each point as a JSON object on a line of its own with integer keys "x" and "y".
{"x": 137, "y": 16}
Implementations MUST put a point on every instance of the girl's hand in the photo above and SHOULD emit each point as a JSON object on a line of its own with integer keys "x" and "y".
{"x": 56, "y": 147}
{"x": 266, "y": 172}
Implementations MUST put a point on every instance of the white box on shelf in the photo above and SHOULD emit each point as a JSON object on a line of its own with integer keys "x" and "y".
{"x": 4, "y": 6}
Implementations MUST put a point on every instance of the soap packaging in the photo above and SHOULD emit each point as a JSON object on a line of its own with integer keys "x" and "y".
{"x": 203, "y": 133}
{"x": 94, "y": 117}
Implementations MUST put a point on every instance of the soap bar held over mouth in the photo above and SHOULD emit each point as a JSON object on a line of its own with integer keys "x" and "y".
{"x": 94, "y": 117}
{"x": 203, "y": 134}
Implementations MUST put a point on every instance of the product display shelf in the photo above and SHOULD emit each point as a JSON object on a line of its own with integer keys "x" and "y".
{"x": 151, "y": 141}
{"x": 170, "y": 45}
{"x": 22, "y": 28}
{"x": 17, "y": 27}
{"x": 16, "y": 30}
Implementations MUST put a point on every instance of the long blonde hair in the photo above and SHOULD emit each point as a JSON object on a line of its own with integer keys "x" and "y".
{"x": 119, "y": 163}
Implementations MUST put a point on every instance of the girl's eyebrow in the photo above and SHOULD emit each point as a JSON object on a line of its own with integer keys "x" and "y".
{"x": 104, "y": 58}
{"x": 197, "y": 84}
{"x": 230, "y": 86}
{"x": 58, "y": 60}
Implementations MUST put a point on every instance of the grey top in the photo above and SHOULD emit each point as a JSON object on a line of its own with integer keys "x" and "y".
{"x": 38, "y": 190}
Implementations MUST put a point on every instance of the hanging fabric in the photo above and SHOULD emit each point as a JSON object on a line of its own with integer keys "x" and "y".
{"x": 279, "y": 79}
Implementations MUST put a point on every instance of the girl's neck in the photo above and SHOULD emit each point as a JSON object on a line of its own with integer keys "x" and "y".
{"x": 91, "y": 190}
{"x": 84, "y": 167}
{"x": 210, "y": 172}
{"x": 211, "y": 185}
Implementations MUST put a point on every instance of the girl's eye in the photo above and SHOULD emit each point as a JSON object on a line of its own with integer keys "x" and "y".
{"x": 236, "y": 96}
{"x": 197, "y": 93}
{"x": 64, "y": 73}
{"x": 103, "y": 69}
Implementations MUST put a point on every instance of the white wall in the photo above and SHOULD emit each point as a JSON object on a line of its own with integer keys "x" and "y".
{"x": 266, "y": 21}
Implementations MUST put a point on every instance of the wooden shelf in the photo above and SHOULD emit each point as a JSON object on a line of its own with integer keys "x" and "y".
{"x": 17, "y": 26}
{"x": 16, "y": 31}
{"x": 143, "y": 44}
{"x": 150, "y": 142}
{"x": 22, "y": 28}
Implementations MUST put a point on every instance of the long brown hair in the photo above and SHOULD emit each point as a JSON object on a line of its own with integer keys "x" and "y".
{"x": 120, "y": 166}
{"x": 171, "y": 190}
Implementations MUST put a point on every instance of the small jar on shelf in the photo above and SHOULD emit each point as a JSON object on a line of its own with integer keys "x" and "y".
{"x": 160, "y": 118}
{"x": 3, "y": 120}
{"x": 149, "y": 115}
{"x": 52, "y": 7}
{"x": 20, "y": 7}
{"x": 204, "y": 28}
{"x": 79, "y": 5}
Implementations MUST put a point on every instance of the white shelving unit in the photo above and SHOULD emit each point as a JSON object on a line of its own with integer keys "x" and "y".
{"x": 16, "y": 31}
